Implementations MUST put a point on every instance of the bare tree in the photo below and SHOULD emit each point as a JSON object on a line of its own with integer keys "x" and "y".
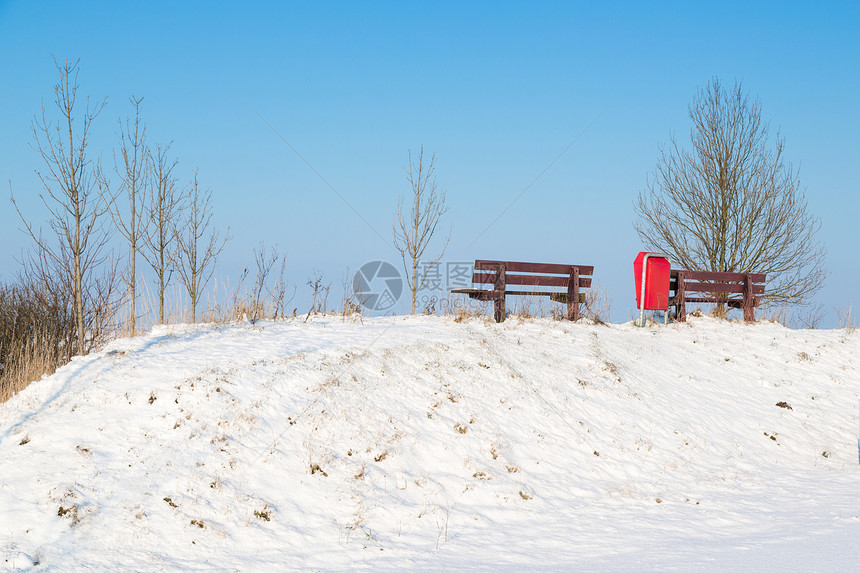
{"x": 731, "y": 203}
{"x": 273, "y": 265}
{"x": 267, "y": 297}
{"x": 134, "y": 177}
{"x": 198, "y": 246}
{"x": 320, "y": 292}
{"x": 163, "y": 208}
{"x": 76, "y": 209}
{"x": 414, "y": 229}
{"x": 277, "y": 292}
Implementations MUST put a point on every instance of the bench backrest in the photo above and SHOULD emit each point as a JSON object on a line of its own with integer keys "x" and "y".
{"x": 719, "y": 285}
{"x": 531, "y": 274}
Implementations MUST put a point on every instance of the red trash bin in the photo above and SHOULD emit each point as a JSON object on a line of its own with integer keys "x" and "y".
{"x": 656, "y": 281}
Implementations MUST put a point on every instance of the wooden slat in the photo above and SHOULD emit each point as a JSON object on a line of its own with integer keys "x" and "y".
{"x": 530, "y": 280}
{"x": 717, "y": 287}
{"x": 556, "y": 296}
{"x": 714, "y": 276}
{"x": 480, "y": 294}
{"x": 562, "y": 297}
{"x": 521, "y": 267}
{"x": 476, "y": 294}
{"x": 710, "y": 299}
{"x": 736, "y": 302}
{"x": 490, "y": 295}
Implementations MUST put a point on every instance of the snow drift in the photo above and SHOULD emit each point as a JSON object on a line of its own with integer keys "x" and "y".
{"x": 425, "y": 443}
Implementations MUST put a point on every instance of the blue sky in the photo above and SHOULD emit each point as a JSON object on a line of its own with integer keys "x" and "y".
{"x": 497, "y": 90}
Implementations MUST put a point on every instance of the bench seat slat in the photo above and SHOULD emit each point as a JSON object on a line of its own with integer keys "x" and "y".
{"x": 562, "y": 297}
{"x": 491, "y": 295}
{"x": 476, "y": 293}
{"x": 733, "y": 302}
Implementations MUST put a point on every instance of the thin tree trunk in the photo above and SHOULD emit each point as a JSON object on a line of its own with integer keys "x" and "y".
{"x": 161, "y": 287}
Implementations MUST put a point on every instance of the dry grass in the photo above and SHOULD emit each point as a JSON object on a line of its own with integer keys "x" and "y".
{"x": 720, "y": 311}
{"x": 36, "y": 333}
{"x": 847, "y": 320}
{"x": 597, "y": 306}
{"x": 598, "y": 303}
{"x": 525, "y": 307}
{"x": 463, "y": 308}
{"x": 27, "y": 367}
{"x": 462, "y": 315}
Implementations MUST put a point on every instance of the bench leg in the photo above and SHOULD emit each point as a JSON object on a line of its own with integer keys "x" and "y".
{"x": 749, "y": 310}
{"x": 499, "y": 287}
{"x": 499, "y": 309}
{"x": 573, "y": 295}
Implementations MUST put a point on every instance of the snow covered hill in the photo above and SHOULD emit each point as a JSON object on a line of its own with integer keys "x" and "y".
{"x": 425, "y": 443}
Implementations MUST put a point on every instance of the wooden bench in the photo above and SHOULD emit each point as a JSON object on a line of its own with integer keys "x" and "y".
{"x": 501, "y": 274}
{"x": 737, "y": 290}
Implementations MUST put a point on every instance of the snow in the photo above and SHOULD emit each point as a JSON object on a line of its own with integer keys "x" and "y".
{"x": 428, "y": 444}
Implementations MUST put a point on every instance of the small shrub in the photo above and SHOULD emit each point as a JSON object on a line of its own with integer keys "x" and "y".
{"x": 264, "y": 514}
{"x": 810, "y": 317}
{"x": 316, "y": 468}
{"x": 37, "y": 333}
{"x": 71, "y": 512}
{"x": 319, "y": 292}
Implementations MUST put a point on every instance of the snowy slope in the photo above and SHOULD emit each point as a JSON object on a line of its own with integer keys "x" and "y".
{"x": 423, "y": 443}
